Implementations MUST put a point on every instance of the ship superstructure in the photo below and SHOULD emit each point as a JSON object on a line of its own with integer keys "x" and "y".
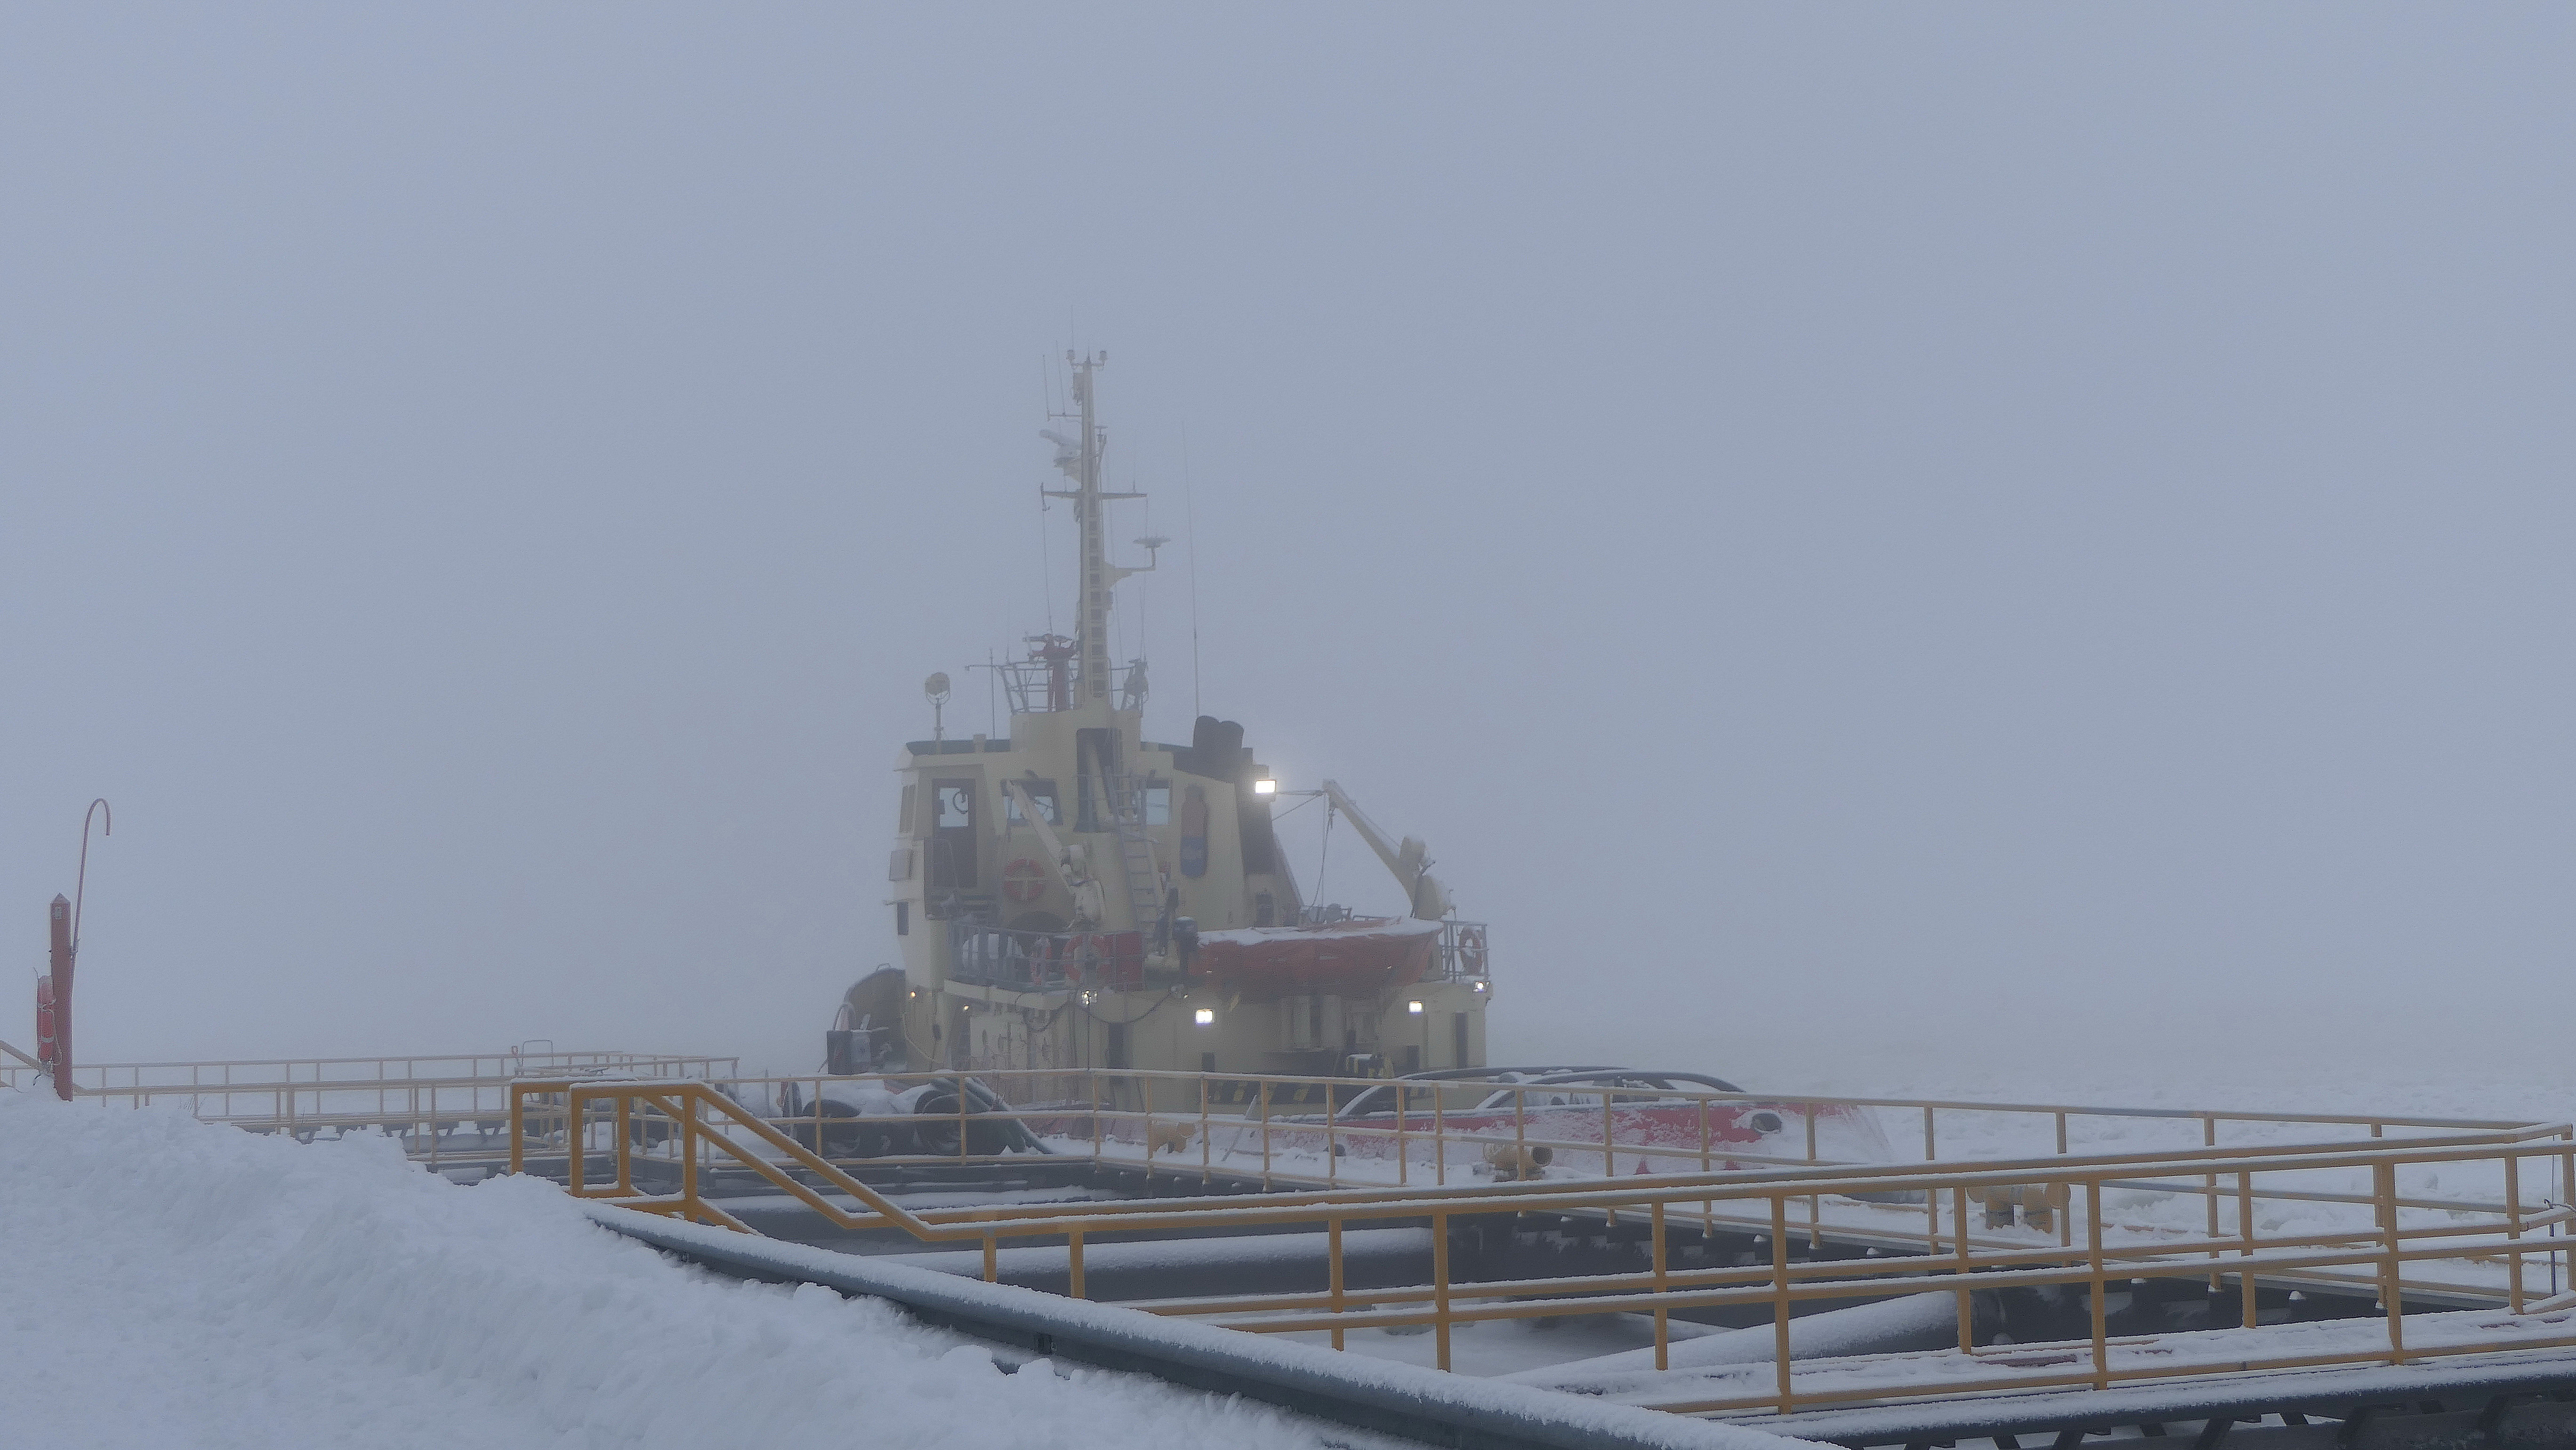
{"x": 1078, "y": 895}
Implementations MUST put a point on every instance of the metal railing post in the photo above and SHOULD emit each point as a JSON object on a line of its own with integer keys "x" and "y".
{"x": 1403, "y": 1149}
{"x": 1073, "y": 1246}
{"x": 1663, "y": 1285}
{"x": 689, "y": 1149}
{"x": 1967, "y": 1296}
{"x": 518, "y": 1137}
{"x": 572, "y": 1139}
{"x": 2099, "y": 1285}
{"x": 1439, "y": 1140}
{"x": 1440, "y": 1283}
{"x": 1332, "y": 1142}
{"x": 2252, "y": 1310}
{"x": 1780, "y": 1294}
{"x": 2513, "y": 1230}
{"x": 2209, "y": 1182}
{"x": 1333, "y": 1251}
{"x": 2392, "y": 1290}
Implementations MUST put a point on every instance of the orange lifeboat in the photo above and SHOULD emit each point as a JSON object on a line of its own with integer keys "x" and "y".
{"x": 1354, "y": 958}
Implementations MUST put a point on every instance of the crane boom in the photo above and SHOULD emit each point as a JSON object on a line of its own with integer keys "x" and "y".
{"x": 1428, "y": 898}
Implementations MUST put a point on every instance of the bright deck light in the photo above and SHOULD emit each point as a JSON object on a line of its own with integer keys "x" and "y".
{"x": 1413, "y": 1007}
{"x": 1265, "y": 787}
{"x": 1206, "y": 1016}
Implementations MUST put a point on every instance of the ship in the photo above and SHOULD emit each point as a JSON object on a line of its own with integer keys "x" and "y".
{"x": 1076, "y": 894}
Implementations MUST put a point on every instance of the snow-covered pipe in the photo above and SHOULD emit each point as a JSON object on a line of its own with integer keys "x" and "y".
{"x": 1400, "y": 1399}
{"x": 1915, "y": 1321}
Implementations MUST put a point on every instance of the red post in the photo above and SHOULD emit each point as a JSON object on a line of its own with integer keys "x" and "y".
{"x": 62, "y": 983}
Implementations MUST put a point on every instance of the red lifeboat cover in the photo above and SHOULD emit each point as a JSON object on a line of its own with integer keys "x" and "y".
{"x": 1363, "y": 955}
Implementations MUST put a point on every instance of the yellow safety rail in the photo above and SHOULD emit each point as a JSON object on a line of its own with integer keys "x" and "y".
{"x": 2389, "y": 1255}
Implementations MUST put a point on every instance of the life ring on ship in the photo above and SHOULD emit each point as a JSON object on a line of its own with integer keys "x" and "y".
{"x": 1024, "y": 881}
{"x": 1471, "y": 950}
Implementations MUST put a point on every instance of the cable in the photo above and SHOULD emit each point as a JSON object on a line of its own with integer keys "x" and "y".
{"x": 1324, "y": 851}
{"x": 1190, "y": 520}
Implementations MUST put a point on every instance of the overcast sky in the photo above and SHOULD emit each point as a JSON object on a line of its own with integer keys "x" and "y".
{"x": 1839, "y": 524}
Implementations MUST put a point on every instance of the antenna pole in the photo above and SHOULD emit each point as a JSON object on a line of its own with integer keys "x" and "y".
{"x": 1091, "y": 630}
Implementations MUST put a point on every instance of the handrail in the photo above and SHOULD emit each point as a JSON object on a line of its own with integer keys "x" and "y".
{"x": 2376, "y": 1257}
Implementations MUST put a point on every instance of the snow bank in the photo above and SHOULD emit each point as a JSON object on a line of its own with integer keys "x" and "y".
{"x": 175, "y": 1283}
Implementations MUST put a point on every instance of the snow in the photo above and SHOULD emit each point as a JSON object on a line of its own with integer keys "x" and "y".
{"x": 1929, "y": 1319}
{"x": 179, "y": 1283}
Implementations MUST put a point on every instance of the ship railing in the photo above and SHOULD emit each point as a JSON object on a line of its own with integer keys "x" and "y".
{"x": 2420, "y": 1215}
{"x": 1031, "y": 684}
{"x": 1465, "y": 954}
{"x": 448, "y": 1109}
{"x": 1046, "y": 961}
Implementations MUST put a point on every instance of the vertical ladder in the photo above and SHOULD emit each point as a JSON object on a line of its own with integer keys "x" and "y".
{"x": 1145, "y": 889}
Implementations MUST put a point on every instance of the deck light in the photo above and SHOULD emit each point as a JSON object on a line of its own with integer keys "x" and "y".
{"x": 1206, "y": 1016}
{"x": 1413, "y": 1007}
{"x": 1265, "y": 787}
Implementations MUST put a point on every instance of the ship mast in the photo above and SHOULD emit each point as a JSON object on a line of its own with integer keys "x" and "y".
{"x": 1079, "y": 458}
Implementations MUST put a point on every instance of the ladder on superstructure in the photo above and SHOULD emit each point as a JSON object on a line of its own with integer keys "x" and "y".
{"x": 1146, "y": 893}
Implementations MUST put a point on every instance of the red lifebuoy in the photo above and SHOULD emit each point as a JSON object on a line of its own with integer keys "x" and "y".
{"x": 1471, "y": 950}
{"x": 1024, "y": 881}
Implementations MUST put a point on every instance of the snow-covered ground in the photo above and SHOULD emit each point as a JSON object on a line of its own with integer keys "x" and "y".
{"x": 172, "y": 1283}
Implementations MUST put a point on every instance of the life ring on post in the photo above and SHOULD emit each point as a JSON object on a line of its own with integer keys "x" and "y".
{"x": 1471, "y": 950}
{"x": 1024, "y": 881}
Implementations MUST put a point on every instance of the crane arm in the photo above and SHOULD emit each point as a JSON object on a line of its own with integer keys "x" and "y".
{"x": 1428, "y": 897}
{"x": 1055, "y": 852}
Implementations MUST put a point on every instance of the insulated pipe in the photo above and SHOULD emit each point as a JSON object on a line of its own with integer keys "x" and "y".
{"x": 1400, "y": 1399}
{"x": 1915, "y": 1321}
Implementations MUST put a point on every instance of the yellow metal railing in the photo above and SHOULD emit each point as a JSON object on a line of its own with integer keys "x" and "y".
{"x": 2507, "y": 1250}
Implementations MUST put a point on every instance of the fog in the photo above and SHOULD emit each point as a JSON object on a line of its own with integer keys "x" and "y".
{"x": 1983, "y": 532}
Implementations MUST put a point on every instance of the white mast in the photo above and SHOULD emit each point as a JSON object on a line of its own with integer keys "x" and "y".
{"x": 1079, "y": 458}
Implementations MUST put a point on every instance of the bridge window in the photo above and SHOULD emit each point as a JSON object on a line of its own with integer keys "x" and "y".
{"x": 952, "y": 843}
{"x": 1158, "y": 803}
